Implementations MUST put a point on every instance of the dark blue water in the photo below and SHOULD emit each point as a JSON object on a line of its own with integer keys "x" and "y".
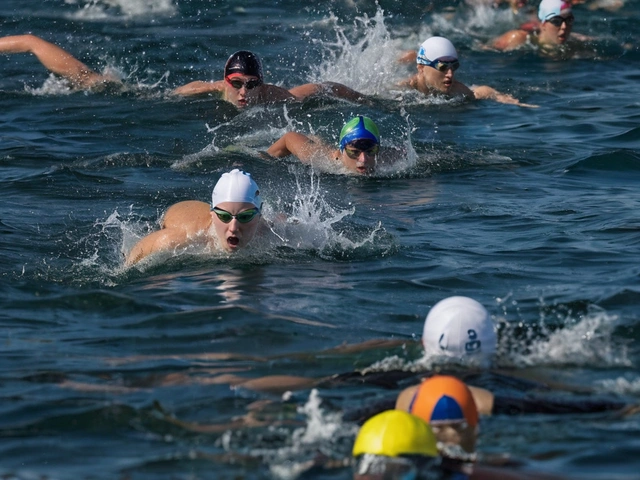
{"x": 112, "y": 373}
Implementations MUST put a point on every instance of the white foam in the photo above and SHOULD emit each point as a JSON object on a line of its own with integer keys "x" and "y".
{"x": 368, "y": 63}
{"x": 584, "y": 341}
{"x": 323, "y": 430}
{"x": 101, "y": 9}
{"x": 620, "y": 386}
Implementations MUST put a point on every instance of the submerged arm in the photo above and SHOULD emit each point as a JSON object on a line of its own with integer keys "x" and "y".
{"x": 54, "y": 58}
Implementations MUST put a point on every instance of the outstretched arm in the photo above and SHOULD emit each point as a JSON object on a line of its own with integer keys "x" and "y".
{"x": 303, "y": 147}
{"x": 162, "y": 240}
{"x": 326, "y": 88}
{"x": 484, "y": 92}
{"x": 199, "y": 88}
{"x": 53, "y": 58}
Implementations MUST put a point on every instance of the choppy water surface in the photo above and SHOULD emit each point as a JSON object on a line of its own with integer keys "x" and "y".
{"x": 115, "y": 373}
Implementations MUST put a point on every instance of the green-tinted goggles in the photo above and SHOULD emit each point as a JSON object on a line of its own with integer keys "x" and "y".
{"x": 243, "y": 217}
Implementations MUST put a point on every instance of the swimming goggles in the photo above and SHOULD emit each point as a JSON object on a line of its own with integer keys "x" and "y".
{"x": 354, "y": 153}
{"x": 249, "y": 85}
{"x": 443, "y": 66}
{"x": 243, "y": 217}
{"x": 557, "y": 21}
{"x": 410, "y": 467}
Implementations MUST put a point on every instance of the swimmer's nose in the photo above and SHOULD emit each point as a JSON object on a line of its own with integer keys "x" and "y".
{"x": 233, "y": 225}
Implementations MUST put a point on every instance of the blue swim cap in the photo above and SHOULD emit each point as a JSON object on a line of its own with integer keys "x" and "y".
{"x": 359, "y": 128}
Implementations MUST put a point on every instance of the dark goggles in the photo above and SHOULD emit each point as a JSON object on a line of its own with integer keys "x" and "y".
{"x": 249, "y": 85}
{"x": 243, "y": 217}
{"x": 443, "y": 66}
{"x": 354, "y": 151}
{"x": 557, "y": 21}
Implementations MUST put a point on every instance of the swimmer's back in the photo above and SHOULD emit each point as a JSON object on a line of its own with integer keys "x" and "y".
{"x": 190, "y": 215}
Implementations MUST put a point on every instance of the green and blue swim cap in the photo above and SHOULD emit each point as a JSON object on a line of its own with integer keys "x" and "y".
{"x": 359, "y": 128}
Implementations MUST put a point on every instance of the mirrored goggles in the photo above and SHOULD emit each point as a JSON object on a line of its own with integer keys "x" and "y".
{"x": 354, "y": 152}
{"x": 243, "y": 217}
{"x": 443, "y": 66}
{"x": 380, "y": 466}
{"x": 249, "y": 84}
{"x": 557, "y": 21}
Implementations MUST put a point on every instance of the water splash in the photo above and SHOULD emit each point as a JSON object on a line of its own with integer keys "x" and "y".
{"x": 324, "y": 431}
{"x": 103, "y": 9}
{"x": 367, "y": 64}
{"x": 53, "y": 85}
{"x": 584, "y": 341}
{"x": 314, "y": 224}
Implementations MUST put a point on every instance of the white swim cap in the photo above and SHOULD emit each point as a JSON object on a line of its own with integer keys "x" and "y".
{"x": 436, "y": 48}
{"x": 458, "y": 327}
{"x": 552, "y": 8}
{"x": 236, "y": 186}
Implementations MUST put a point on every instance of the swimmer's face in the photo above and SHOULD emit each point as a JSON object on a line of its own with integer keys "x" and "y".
{"x": 438, "y": 79}
{"x": 241, "y": 90}
{"x": 234, "y": 234}
{"x": 360, "y": 156}
{"x": 456, "y": 433}
{"x": 517, "y": 4}
{"x": 556, "y": 30}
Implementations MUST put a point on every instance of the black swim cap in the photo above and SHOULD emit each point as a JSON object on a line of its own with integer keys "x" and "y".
{"x": 245, "y": 63}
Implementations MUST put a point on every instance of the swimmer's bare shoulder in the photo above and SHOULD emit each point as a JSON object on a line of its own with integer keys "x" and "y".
{"x": 191, "y": 215}
{"x": 510, "y": 40}
{"x": 272, "y": 93}
{"x": 180, "y": 224}
{"x": 459, "y": 89}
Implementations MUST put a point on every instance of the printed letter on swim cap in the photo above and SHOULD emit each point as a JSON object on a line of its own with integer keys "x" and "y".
{"x": 459, "y": 327}
{"x": 436, "y": 48}
{"x": 393, "y": 433}
{"x": 236, "y": 186}
{"x": 245, "y": 63}
{"x": 444, "y": 399}
{"x": 552, "y": 8}
{"x": 359, "y": 128}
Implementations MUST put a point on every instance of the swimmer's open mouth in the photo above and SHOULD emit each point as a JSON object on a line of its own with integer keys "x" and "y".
{"x": 233, "y": 241}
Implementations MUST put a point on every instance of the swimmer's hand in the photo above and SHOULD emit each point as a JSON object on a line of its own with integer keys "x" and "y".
{"x": 484, "y": 92}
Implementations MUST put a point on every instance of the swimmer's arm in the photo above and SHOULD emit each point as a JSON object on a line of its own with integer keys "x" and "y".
{"x": 54, "y": 58}
{"x": 484, "y": 400}
{"x": 332, "y": 88}
{"x": 510, "y": 40}
{"x": 162, "y": 240}
{"x": 374, "y": 344}
{"x": 294, "y": 143}
{"x": 408, "y": 56}
{"x": 484, "y": 92}
{"x": 273, "y": 93}
{"x": 199, "y": 88}
{"x": 278, "y": 384}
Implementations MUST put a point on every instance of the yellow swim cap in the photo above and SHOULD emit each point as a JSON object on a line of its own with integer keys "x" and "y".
{"x": 393, "y": 433}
